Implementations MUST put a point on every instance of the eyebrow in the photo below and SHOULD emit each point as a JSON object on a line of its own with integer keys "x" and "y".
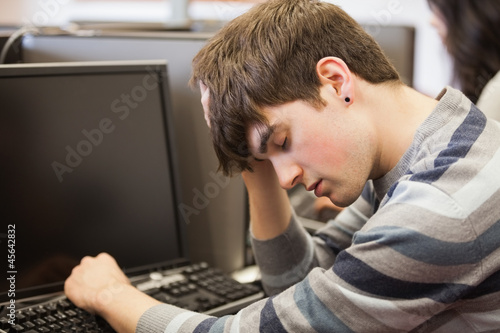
{"x": 264, "y": 138}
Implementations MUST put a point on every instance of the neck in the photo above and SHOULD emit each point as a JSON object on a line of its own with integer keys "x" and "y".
{"x": 396, "y": 111}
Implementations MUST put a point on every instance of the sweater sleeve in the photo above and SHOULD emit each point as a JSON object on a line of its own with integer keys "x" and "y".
{"x": 406, "y": 266}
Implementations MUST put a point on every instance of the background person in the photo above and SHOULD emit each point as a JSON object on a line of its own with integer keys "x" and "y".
{"x": 469, "y": 30}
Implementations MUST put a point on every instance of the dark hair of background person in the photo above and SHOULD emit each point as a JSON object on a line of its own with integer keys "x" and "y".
{"x": 472, "y": 41}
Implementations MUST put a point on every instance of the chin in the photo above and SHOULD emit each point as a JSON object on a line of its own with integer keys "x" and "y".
{"x": 342, "y": 202}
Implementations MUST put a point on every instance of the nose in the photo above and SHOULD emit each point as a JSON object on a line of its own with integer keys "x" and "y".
{"x": 289, "y": 173}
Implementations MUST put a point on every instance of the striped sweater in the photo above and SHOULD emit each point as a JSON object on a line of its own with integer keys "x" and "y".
{"x": 419, "y": 251}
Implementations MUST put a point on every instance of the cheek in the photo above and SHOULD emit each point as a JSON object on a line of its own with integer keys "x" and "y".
{"x": 350, "y": 154}
{"x": 328, "y": 155}
{"x": 333, "y": 147}
{"x": 440, "y": 27}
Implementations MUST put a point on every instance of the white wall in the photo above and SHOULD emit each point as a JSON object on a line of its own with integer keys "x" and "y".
{"x": 34, "y": 12}
{"x": 432, "y": 65}
{"x": 11, "y": 11}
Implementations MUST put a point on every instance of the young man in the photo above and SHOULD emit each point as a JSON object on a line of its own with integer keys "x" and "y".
{"x": 295, "y": 92}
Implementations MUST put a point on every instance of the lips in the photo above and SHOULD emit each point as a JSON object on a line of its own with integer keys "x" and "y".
{"x": 316, "y": 187}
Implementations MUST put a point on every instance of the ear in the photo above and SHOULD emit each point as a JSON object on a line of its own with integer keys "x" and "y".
{"x": 205, "y": 101}
{"x": 333, "y": 71}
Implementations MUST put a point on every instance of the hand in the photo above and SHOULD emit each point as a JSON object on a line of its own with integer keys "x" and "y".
{"x": 262, "y": 171}
{"x": 95, "y": 282}
{"x": 270, "y": 211}
{"x": 325, "y": 210}
{"x": 205, "y": 98}
{"x": 324, "y": 203}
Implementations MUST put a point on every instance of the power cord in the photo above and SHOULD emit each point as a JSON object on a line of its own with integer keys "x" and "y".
{"x": 21, "y": 32}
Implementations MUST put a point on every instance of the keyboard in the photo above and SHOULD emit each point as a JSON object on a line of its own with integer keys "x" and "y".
{"x": 197, "y": 287}
{"x": 59, "y": 315}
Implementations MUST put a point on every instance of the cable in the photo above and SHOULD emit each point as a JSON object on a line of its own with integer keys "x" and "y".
{"x": 14, "y": 37}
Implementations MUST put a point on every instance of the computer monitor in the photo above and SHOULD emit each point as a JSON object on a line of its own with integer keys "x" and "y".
{"x": 398, "y": 44}
{"x": 216, "y": 222}
{"x": 87, "y": 166}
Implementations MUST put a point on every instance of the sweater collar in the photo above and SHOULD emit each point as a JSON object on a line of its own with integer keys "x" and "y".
{"x": 450, "y": 100}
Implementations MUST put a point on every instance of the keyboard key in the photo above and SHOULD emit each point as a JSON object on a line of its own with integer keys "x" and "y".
{"x": 16, "y": 329}
{"x": 20, "y": 317}
{"x": 4, "y": 323}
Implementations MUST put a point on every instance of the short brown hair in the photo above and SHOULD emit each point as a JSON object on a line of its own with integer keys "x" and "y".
{"x": 267, "y": 57}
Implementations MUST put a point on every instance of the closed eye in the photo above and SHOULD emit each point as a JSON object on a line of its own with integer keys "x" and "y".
{"x": 284, "y": 145}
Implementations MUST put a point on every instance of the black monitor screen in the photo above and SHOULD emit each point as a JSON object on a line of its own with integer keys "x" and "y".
{"x": 85, "y": 168}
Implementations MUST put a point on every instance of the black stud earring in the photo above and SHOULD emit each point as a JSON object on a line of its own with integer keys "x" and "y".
{"x": 347, "y": 99}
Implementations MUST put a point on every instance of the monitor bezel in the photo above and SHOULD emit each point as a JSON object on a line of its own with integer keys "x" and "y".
{"x": 160, "y": 68}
